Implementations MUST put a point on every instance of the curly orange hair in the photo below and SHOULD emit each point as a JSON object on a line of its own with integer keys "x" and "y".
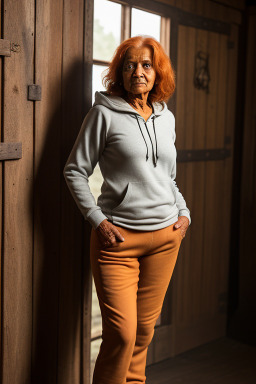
{"x": 164, "y": 85}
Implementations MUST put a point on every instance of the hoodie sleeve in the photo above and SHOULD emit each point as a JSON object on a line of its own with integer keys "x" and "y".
{"x": 180, "y": 201}
{"x": 81, "y": 162}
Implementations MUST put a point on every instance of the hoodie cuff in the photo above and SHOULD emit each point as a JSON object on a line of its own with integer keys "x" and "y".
{"x": 184, "y": 212}
{"x": 96, "y": 217}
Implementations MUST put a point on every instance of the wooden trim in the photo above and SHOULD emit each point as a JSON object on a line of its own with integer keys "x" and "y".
{"x": 174, "y": 59}
{"x": 88, "y": 53}
{"x": 125, "y": 22}
{"x": 87, "y": 274}
{"x": 165, "y": 33}
{"x": 203, "y": 154}
{"x": 100, "y": 62}
{"x": 180, "y": 16}
{"x": 236, "y": 4}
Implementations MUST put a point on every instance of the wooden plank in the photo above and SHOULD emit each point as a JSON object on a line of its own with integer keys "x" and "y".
{"x": 86, "y": 267}
{"x": 233, "y": 128}
{"x": 165, "y": 34}
{"x": 209, "y": 8}
{"x": 199, "y": 293}
{"x": 125, "y": 22}
{"x": 198, "y": 202}
{"x": 47, "y": 263}
{"x": 212, "y": 213}
{"x": 209, "y": 154}
{"x": 18, "y": 195}
{"x": 221, "y": 255}
{"x": 238, "y": 4}
{"x": 73, "y": 265}
{"x": 248, "y": 184}
{"x": 180, "y": 142}
{"x": 10, "y": 151}
{"x": 1, "y": 195}
{"x": 5, "y": 47}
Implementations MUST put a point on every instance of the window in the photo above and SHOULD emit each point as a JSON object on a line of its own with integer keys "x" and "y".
{"x": 107, "y": 35}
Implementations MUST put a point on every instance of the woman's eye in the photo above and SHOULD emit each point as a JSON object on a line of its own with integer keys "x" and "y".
{"x": 147, "y": 65}
{"x": 129, "y": 66}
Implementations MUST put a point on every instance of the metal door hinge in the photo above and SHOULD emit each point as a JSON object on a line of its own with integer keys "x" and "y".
{"x": 10, "y": 151}
{"x": 34, "y": 92}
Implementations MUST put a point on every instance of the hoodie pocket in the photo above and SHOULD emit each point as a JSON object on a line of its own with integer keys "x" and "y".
{"x": 146, "y": 199}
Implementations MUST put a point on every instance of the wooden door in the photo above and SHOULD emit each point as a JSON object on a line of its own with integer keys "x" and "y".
{"x": 205, "y": 132}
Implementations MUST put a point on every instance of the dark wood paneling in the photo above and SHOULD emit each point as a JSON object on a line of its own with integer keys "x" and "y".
{"x": 48, "y": 261}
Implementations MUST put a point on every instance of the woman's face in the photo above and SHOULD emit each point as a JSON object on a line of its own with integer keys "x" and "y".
{"x": 138, "y": 72}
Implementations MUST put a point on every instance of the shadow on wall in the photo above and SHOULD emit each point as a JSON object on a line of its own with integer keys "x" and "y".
{"x": 59, "y": 242}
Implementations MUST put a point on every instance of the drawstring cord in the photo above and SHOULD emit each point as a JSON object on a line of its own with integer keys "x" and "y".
{"x": 153, "y": 118}
{"x": 143, "y": 136}
{"x": 155, "y": 157}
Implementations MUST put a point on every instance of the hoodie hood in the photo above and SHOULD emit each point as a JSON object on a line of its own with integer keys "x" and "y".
{"x": 117, "y": 103}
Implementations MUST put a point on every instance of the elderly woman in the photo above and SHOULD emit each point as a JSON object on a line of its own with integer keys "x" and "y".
{"x": 141, "y": 216}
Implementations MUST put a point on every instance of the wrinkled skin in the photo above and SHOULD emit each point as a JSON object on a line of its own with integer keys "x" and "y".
{"x": 109, "y": 234}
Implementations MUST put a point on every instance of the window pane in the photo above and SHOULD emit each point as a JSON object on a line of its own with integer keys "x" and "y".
{"x": 106, "y": 29}
{"x": 145, "y": 23}
{"x": 97, "y": 75}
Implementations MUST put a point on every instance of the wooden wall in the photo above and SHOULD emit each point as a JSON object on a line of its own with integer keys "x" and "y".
{"x": 243, "y": 285}
{"x": 45, "y": 271}
{"x": 44, "y": 260}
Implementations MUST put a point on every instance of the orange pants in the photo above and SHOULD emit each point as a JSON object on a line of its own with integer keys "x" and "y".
{"x": 131, "y": 281}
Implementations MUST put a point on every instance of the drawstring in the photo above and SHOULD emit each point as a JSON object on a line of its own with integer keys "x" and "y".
{"x": 155, "y": 157}
{"x": 153, "y": 118}
{"x": 143, "y": 136}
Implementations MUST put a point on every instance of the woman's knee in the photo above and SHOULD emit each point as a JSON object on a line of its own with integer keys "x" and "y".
{"x": 123, "y": 334}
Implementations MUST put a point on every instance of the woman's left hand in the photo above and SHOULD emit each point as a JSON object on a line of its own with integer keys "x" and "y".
{"x": 183, "y": 224}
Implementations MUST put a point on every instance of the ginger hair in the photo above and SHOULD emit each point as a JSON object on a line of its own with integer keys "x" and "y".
{"x": 164, "y": 85}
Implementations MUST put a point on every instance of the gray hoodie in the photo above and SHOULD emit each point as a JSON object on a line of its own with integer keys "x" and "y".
{"x": 137, "y": 159}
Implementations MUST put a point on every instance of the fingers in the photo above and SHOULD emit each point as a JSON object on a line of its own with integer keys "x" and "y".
{"x": 117, "y": 233}
{"x": 108, "y": 234}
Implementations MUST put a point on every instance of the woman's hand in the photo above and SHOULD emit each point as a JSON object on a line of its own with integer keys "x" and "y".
{"x": 183, "y": 224}
{"x": 108, "y": 234}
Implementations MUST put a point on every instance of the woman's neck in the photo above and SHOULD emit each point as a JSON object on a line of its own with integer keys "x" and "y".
{"x": 139, "y": 102}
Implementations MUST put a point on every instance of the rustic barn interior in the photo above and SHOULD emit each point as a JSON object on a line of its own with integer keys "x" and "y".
{"x": 51, "y": 65}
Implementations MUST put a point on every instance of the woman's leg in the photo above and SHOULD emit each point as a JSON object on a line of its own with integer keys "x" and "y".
{"x": 156, "y": 268}
{"x": 116, "y": 275}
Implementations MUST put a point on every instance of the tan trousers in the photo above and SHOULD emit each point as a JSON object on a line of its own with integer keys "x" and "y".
{"x": 131, "y": 281}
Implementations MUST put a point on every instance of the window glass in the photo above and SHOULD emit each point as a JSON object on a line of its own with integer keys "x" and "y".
{"x": 97, "y": 75}
{"x": 145, "y": 23}
{"x": 106, "y": 29}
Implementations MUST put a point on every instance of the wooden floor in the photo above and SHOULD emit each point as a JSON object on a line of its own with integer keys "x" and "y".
{"x": 223, "y": 361}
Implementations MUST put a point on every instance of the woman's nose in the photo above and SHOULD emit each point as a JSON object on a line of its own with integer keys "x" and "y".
{"x": 138, "y": 70}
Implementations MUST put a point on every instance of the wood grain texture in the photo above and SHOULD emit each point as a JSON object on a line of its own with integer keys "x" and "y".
{"x": 201, "y": 123}
{"x": 47, "y": 263}
{"x": 1, "y": 198}
{"x": 17, "y": 255}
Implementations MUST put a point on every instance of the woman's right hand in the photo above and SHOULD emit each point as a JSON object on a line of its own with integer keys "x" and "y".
{"x": 108, "y": 234}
